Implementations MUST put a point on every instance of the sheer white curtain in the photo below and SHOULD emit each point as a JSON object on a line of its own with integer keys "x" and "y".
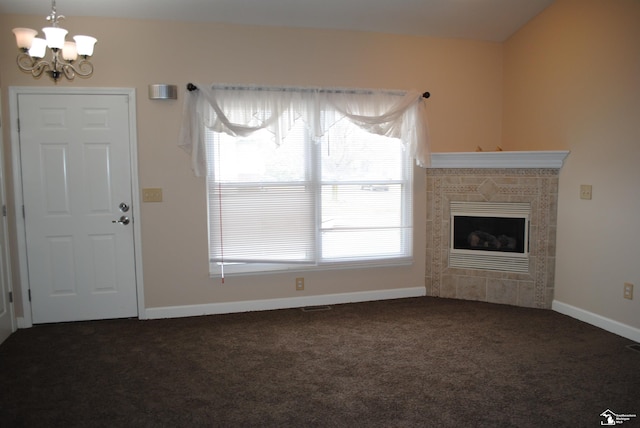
{"x": 240, "y": 111}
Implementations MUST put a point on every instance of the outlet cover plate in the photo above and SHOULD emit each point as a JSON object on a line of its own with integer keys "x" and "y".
{"x": 628, "y": 290}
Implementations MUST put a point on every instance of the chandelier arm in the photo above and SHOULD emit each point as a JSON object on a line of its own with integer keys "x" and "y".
{"x": 39, "y": 68}
{"x": 69, "y": 71}
{"x": 83, "y": 68}
{"x": 31, "y": 65}
{"x": 25, "y": 62}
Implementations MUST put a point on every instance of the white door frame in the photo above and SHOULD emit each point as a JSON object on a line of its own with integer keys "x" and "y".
{"x": 4, "y": 252}
{"x": 26, "y": 320}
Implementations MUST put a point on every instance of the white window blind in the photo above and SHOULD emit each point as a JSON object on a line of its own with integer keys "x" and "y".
{"x": 261, "y": 200}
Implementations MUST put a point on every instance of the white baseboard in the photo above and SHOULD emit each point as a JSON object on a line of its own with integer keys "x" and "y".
{"x": 22, "y": 322}
{"x": 284, "y": 303}
{"x": 604, "y": 323}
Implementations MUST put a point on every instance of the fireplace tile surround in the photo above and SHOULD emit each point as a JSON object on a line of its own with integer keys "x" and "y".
{"x": 529, "y": 177}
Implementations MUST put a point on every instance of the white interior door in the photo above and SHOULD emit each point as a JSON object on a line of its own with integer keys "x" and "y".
{"x": 78, "y": 213}
{"x": 7, "y": 325}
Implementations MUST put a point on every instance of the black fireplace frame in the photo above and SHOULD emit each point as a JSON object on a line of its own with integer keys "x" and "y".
{"x": 489, "y": 233}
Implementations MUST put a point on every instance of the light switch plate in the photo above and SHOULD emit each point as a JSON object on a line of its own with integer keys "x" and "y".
{"x": 152, "y": 195}
{"x": 585, "y": 191}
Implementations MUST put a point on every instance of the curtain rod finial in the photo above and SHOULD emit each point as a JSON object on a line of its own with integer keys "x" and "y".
{"x": 191, "y": 87}
{"x": 426, "y": 95}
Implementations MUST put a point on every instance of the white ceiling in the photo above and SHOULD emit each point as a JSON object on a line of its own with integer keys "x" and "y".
{"x": 491, "y": 20}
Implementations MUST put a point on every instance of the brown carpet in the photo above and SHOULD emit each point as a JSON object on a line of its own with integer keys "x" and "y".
{"x": 423, "y": 362}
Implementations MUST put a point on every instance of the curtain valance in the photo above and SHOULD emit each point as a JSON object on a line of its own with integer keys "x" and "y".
{"x": 240, "y": 111}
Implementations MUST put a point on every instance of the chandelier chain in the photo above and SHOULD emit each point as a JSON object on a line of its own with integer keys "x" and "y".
{"x": 54, "y": 17}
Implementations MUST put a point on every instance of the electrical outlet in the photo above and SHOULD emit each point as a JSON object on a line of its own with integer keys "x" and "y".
{"x": 299, "y": 284}
{"x": 152, "y": 195}
{"x": 585, "y": 191}
{"x": 628, "y": 290}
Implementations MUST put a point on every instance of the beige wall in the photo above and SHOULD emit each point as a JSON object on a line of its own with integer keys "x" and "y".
{"x": 464, "y": 78}
{"x": 572, "y": 81}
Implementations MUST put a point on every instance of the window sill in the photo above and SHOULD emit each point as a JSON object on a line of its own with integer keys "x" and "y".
{"x": 231, "y": 271}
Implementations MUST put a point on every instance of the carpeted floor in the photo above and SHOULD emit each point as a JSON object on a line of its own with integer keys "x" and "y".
{"x": 422, "y": 362}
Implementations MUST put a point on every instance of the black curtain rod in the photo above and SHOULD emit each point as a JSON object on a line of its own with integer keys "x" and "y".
{"x": 191, "y": 87}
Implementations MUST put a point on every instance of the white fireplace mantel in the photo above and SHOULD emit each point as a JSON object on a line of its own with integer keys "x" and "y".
{"x": 520, "y": 159}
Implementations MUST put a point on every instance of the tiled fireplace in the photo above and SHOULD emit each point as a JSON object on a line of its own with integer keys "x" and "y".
{"x": 527, "y": 181}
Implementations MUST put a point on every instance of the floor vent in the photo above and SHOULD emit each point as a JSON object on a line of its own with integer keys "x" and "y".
{"x": 634, "y": 347}
{"x": 316, "y": 308}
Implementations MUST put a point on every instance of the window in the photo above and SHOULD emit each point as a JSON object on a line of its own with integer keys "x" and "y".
{"x": 345, "y": 200}
{"x": 305, "y": 179}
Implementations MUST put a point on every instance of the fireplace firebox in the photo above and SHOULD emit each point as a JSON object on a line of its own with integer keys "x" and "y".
{"x": 504, "y": 234}
{"x": 491, "y": 236}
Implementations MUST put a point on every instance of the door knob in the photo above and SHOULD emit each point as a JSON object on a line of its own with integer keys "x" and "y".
{"x": 124, "y": 220}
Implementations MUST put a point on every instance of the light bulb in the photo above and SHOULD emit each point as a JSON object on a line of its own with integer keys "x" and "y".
{"x": 38, "y": 48}
{"x": 85, "y": 44}
{"x": 69, "y": 51}
{"x": 55, "y": 36}
{"x": 24, "y": 37}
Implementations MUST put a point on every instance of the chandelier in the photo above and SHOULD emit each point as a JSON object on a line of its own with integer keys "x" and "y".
{"x": 64, "y": 54}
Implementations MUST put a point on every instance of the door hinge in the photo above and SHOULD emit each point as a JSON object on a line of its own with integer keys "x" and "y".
{"x": 23, "y": 215}
{"x": 10, "y": 296}
{"x": 4, "y": 211}
{"x": 18, "y": 124}
{"x": 29, "y": 294}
